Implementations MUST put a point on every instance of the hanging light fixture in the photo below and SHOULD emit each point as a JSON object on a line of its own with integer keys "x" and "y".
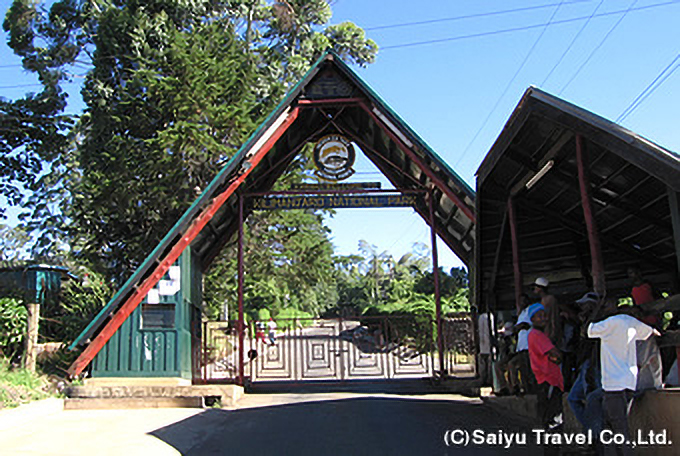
{"x": 541, "y": 172}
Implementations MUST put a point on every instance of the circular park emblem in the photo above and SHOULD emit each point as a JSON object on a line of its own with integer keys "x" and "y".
{"x": 334, "y": 157}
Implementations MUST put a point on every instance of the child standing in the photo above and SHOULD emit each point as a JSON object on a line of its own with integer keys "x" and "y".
{"x": 545, "y": 363}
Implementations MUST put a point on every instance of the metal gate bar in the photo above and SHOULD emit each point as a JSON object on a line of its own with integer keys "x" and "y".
{"x": 337, "y": 350}
{"x": 376, "y": 348}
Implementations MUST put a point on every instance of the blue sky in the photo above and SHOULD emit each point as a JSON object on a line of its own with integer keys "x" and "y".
{"x": 458, "y": 94}
{"x": 459, "y": 91}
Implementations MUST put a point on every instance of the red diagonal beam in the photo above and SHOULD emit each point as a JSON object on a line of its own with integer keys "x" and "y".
{"x": 196, "y": 226}
{"x": 421, "y": 164}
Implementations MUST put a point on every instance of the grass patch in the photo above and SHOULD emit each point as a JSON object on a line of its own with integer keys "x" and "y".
{"x": 19, "y": 386}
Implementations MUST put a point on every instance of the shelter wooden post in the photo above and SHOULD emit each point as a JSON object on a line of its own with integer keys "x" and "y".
{"x": 491, "y": 288}
{"x": 674, "y": 204}
{"x": 516, "y": 264}
{"x": 597, "y": 268}
{"x": 437, "y": 295}
{"x": 241, "y": 322}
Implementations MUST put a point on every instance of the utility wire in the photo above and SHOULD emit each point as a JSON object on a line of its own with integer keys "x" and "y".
{"x": 19, "y": 86}
{"x": 585, "y": 24}
{"x": 651, "y": 87}
{"x": 470, "y": 16}
{"x": 507, "y": 87}
{"x": 596, "y": 48}
{"x": 526, "y": 27}
{"x": 401, "y": 236}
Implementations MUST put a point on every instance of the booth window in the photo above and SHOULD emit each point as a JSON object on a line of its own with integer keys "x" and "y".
{"x": 158, "y": 316}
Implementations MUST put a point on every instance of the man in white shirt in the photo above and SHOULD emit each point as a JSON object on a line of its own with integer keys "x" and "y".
{"x": 618, "y": 335}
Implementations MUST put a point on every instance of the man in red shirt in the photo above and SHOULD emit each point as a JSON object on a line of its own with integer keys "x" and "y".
{"x": 642, "y": 293}
{"x": 545, "y": 360}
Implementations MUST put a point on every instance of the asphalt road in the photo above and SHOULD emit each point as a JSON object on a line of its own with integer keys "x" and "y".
{"x": 277, "y": 424}
{"x": 352, "y": 425}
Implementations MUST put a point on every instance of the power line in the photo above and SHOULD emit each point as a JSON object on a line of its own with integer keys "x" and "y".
{"x": 526, "y": 27}
{"x": 37, "y": 84}
{"x": 19, "y": 86}
{"x": 401, "y": 236}
{"x": 507, "y": 87}
{"x": 592, "y": 53}
{"x": 470, "y": 16}
{"x": 585, "y": 24}
{"x": 651, "y": 87}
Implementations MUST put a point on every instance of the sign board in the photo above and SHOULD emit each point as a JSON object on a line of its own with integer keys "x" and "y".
{"x": 334, "y": 157}
{"x": 331, "y": 201}
{"x": 337, "y": 186}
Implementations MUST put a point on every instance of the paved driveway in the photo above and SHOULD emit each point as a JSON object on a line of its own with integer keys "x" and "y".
{"x": 279, "y": 424}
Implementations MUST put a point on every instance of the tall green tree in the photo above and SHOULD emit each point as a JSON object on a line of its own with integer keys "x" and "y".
{"x": 12, "y": 243}
{"x": 152, "y": 144}
{"x": 375, "y": 269}
{"x": 173, "y": 89}
{"x": 33, "y": 128}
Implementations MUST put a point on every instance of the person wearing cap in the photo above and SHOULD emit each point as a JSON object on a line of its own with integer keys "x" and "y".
{"x": 618, "y": 333}
{"x": 545, "y": 360}
{"x": 553, "y": 328}
{"x": 650, "y": 370}
{"x": 585, "y": 395}
{"x": 642, "y": 293}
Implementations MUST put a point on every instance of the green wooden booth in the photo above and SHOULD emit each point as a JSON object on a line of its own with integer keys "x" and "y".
{"x": 156, "y": 340}
{"x": 36, "y": 283}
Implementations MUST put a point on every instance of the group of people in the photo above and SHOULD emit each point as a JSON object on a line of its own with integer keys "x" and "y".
{"x": 597, "y": 352}
{"x": 270, "y": 328}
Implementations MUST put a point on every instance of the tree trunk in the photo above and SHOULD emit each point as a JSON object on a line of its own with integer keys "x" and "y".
{"x": 31, "y": 336}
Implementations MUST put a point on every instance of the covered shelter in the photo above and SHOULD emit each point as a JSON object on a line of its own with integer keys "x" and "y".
{"x": 151, "y": 327}
{"x": 570, "y": 196}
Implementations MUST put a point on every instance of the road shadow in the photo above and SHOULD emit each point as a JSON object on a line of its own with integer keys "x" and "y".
{"x": 405, "y": 386}
{"x": 357, "y": 426}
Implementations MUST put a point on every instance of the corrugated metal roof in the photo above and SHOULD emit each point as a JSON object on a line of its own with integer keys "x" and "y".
{"x": 630, "y": 182}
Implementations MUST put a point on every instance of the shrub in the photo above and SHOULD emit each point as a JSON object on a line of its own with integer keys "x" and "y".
{"x": 19, "y": 386}
{"x": 13, "y": 320}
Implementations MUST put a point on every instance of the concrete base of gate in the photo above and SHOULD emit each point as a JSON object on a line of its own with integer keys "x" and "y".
{"x": 150, "y": 396}
{"x": 137, "y": 381}
{"x": 653, "y": 411}
{"x": 466, "y": 387}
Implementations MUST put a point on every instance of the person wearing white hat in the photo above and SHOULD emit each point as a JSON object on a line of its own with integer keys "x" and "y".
{"x": 553, "y": 328}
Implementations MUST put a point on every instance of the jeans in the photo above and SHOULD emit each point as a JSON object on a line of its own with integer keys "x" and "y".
{"x": 550, "y": 413}
{"x": 616, "y": 405}
{"x": 586, "y": 404}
